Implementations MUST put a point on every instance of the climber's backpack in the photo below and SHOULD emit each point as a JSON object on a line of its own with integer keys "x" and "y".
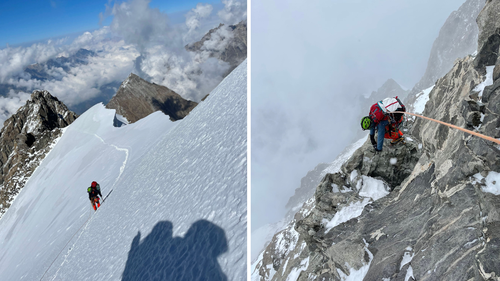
{"x": 380, "y": 110}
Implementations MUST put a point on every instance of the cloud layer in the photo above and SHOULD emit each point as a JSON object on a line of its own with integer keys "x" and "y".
{"x": 140, "y": 39}
{"x": 162, "y": 54}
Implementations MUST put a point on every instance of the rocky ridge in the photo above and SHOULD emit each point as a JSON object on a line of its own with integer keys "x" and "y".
{"x": 457, "y": 38}
{"x": 137, "y": 98}
{"x": 441, "y": 219}
{"x": 26, "y": 138}
{"x": 232, "y": 45}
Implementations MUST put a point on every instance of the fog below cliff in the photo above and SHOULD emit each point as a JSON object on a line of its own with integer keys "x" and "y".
{"x": 308, "y": 68}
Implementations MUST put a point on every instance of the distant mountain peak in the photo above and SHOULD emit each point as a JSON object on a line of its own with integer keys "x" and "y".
{"x": 131, "y": 76}
{"x": 230, "y": 47}
{"x": 137, "y": 98}
{"x": 390, "y": 88}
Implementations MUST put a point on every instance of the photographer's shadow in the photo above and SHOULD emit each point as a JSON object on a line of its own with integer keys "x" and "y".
{"x": 162, "y": 257}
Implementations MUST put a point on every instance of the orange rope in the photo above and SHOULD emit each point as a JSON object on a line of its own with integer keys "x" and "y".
{"x": 454, "y": 127}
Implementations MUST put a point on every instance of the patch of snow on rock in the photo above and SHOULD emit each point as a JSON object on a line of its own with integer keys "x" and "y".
{"x": 487, "y": 82}
{"x": 409, "y": 273}
{"x": 294, "y": 274}
{"x": 350, "y": 211}
{"x": 491, "y": 182}
{"x": 373, "y": 188}
{"x": 422, "y": 99}
{"x": 407, "y": 257}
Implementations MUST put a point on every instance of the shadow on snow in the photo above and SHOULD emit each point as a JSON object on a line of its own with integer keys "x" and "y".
{"x": 162, "y": 257}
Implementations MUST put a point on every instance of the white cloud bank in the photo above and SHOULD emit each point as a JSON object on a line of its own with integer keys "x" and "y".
{"x": 139, "y": 39}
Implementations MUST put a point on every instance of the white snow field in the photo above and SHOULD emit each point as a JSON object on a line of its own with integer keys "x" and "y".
{"x": 176, "y": 208}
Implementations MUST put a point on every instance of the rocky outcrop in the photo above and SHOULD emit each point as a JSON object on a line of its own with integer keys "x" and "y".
{"x": 489, "y": 36}
{"x": 227, "y": 43}
{"x": 457, "y": 39}
{"x": 288, "y": 251}
{"x": 437, "y": 223}
{"x": 26, "y": 138}
{"x": 137, "y": 98}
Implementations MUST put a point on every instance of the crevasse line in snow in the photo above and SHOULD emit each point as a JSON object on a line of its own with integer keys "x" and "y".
{"x": 122, "y": 168}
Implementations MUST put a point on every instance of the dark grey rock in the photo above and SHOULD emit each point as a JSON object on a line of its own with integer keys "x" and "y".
{"x": 496, "y": 72}
{"x": 489, "y": 34}
{"x": 377, "y": 165}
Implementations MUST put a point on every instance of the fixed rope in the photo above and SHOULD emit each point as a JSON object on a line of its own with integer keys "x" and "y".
{"x": 122, "y": 168}
{"x": 453, "y": 126}
{"x": 84, "y": 224}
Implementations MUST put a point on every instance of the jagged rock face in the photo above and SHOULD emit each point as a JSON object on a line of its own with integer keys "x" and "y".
{"x": 26, "y": 138}
{"x": 137, "y": 98}
{"x": 283, "y": 243}
{"x": 334, "y": 192}
{"x": 437, "y": 224}
{"x": 489, "y": 38}
{"x": 342, "y": 189}
{"x": 454, "y": 101}
{"x": 232, "y": 50}
{"x": 457, "y": 38}
{"x": 378, "y": 165}
{"x": 285, "y": 251}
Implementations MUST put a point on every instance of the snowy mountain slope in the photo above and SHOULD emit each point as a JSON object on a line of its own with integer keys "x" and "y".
{"x": 177, "y": 198}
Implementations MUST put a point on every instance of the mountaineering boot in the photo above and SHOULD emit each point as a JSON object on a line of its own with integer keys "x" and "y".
{"x": 398, "y": 140}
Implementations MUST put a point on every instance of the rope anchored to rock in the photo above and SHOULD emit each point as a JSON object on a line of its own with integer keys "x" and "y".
{"x": 454, "y": 127}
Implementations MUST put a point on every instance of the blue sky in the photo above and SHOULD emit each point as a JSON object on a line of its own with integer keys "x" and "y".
{"x": 135, "y": 36}
{"x": 28, "y": 21}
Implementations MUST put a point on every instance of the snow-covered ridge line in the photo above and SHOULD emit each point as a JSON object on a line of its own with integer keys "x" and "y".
{"x": 122, "y": 168}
